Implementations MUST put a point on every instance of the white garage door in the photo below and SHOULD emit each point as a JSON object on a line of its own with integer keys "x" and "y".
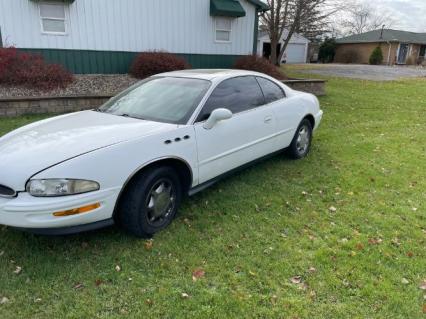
{"x": 296, "y": 53}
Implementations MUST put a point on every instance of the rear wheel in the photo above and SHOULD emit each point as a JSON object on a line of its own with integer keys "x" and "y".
{"x": 150, "y": 202}
{"x": 301, "y": 143}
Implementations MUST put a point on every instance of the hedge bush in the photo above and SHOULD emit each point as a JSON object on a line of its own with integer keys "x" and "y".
{"x": 24, "y": 69}
{"x": 154, "y": 62}
{"x": 259, "y": 64}
{"x": 327, "y": 50}
{"x": 376, "y": 57}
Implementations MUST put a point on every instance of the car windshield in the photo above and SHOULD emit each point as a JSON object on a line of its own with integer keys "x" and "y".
{"x": 160, "y": 99}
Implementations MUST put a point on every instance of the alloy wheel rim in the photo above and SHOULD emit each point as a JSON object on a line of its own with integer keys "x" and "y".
{"x": 303, "y": 140}
{"x": 160, "y": 202}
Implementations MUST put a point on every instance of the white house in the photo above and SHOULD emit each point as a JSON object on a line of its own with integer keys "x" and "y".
{"x": 103, "y": 36}
{"x": 296, "y": 52}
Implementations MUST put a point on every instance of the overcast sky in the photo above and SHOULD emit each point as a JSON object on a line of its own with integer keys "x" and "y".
{"x": 409, "y": 15}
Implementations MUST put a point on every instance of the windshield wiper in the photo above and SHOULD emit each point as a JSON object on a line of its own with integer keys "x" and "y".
{"x": 131, "y": 116}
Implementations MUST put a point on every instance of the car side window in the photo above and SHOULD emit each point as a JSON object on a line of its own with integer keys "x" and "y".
{"x": 271, "y": 91}
{"x": 237, "y": 95}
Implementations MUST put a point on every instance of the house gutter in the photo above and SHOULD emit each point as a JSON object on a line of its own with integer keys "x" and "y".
{"x": 256, "y": 30}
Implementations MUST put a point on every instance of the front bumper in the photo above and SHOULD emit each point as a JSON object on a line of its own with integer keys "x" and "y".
{"x": 32, "y": 213}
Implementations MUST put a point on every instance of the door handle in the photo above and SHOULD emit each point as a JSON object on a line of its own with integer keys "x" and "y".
{"x": 268, "y": 119}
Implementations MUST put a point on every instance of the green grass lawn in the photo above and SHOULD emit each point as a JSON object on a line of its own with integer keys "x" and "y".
{"x": 266, "y": 239}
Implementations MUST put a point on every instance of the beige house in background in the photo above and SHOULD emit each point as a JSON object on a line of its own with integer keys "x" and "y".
{"x": 398, "y": 47}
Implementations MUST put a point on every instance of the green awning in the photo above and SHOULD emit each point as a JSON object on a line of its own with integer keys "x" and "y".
{"x": 227, "y": 8}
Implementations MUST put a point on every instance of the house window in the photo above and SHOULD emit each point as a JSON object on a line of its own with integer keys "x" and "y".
{"x": 423, "y": 51}
{"x": 223, "y": 29}
{"x": 52, "y": 17}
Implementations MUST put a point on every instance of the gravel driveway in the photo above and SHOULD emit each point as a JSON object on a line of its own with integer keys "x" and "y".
{"x": 367, "y": 72}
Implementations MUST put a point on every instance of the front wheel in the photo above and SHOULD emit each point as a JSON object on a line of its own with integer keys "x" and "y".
{"x": 150, "y": 202}
{"x": 301, "y": 143}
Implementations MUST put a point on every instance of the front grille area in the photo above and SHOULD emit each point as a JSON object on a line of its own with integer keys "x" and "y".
{"x": 6, "y": 191}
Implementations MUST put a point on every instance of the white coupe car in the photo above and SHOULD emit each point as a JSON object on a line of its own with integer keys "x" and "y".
{"x": 132, "y": 160}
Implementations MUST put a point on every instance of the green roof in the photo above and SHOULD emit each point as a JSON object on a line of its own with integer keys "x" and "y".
{"x": 387, "y": 36}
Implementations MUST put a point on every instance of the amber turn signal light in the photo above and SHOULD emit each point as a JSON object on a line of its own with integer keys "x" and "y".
{"x": 76, "y": 211}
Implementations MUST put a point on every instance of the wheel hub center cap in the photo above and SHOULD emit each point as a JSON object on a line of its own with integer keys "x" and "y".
{"x": 161, "y": 204}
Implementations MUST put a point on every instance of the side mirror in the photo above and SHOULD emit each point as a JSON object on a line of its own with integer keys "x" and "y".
{"x": 216, "y": 116}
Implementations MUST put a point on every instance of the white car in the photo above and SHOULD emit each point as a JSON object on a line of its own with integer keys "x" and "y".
{"x": 131, "y": 161}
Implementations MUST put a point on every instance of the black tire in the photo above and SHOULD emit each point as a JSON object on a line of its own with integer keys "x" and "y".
{"x": 146, "y": 197}
{"x": 298, "y": 150}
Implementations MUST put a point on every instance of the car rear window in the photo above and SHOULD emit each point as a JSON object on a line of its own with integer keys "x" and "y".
{"x": 271, "y": 90}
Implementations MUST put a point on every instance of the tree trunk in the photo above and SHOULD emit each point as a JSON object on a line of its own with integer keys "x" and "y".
{"x": 274, "y": 45}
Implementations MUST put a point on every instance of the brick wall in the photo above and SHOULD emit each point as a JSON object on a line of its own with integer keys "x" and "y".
{"x": 361, "y": 52}
{"x": 316, "y": 87}
{"x": 19, "y": 106}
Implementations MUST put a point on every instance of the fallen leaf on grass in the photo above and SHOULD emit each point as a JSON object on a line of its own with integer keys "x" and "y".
{"x": 184, "y": 295}
{"x": 332, "y": 209}
{"x": 4, "y": 300}
{"x": 359, "y": 246}
{"x": 396, "y": 242}
{"x": 149, "y": 302}
{"x": 423, "y": 285}
{"x": 375, "y": 241}
{"x": 197, "y": 274}
{"x": 78, "y": 286}
{"x": 405, "y": 281}
{"x": 17, "y": 270}
{"x": 410, "y": 254}
{"x": 148, "y": 245}
{"x": 312, "y": 269}
{"x": 117, "y": 268}
{"x": 296, "y": 280}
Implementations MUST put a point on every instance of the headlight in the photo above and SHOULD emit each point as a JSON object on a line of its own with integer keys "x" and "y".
{"x": 60, "y": 187}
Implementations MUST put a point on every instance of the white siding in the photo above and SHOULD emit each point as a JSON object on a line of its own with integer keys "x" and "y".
{"x": 179, "y": 26}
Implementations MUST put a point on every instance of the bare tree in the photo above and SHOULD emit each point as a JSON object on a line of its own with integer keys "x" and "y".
{"x": 363, "y": 17}
{"x": 291, "y": 16}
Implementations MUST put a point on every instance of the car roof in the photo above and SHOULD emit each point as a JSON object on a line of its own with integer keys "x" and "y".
{"x": 209, "y": 74}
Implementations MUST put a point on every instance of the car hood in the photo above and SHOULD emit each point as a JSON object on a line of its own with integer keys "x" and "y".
{"x": 35, "y": 147}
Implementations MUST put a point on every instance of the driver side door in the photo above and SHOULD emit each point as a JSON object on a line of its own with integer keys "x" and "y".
{"x": 248, "y": 135}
